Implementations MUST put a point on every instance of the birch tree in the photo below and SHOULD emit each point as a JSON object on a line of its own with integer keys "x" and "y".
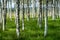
{"x": 28, "y": 11}
{"x": 33, "y": 12}
{"x": 46, "y": 19}
{"x": 53, "y": 14}
{"x": 17, "y": 18}
{"x": 51, "y": 8}
{"x": 0, "y": 13}
{"x": 40, "y": 14}
{"x": 35, "y": 7}
{"x": 8, "y": 4}
{"x": 15, "y": 14}
{"x": 10, "y": 10}
{"x": 23, "y": 16}
{"x": 4, "y": 2}
{"x": 43, "y": 10}
{"x": 57, "y": 8}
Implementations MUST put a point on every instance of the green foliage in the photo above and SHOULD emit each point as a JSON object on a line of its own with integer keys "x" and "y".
{"x": 32, "y": 31}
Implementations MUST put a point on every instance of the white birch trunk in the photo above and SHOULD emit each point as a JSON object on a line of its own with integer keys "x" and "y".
{"x": 23, "y": 17}
{"x": 33, "y": 12}
{"x": 22, "y": 24}
{"x": 17, "y": 18}
{"x": 0, "y": 14}
{"x": 3, "y": 14}
{"x": 10, "y": 9}
{"x": 53, "y": 14}
{"x": 27, "y": 10}
{"x": 46, "y": 19}
{"x": 38, "y": 13}
{"x": 4, "y": 2}
{"x": 15, "y": 14}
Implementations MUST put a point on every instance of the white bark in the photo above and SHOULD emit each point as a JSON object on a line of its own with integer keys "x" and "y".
{"x": 10, "y": 9}
{"x": 0, "y": 14}
{"x": 53, "y": 14}
{"x": 3, "y": 15}
{"x": 4, "y": 3}
{"x": 23, "y": 16}
{"x": 17, "y": 18}
{"x": 33, "y": 12}
{"x": 28, "y": 10}
{"x": 15, "y": 14}
{"x": 45, "y": 31}
{"x": 38, "y": 14}
{"x": 46, "y": 19}
{"x": 22, "y": 24}
{"x": 59, "y": 9}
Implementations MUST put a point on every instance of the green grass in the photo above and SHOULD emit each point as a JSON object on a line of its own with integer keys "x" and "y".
{"x": 32, "y": 31}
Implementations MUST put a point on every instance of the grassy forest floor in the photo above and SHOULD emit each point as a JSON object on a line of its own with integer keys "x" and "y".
{"x": 32, "y": 31}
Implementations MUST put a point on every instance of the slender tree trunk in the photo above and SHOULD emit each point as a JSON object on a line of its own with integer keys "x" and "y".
{"x": 15, "y": 14}
{"x": 4, "y": 13}
{"x": 10, "y": 9}
{"x": 17, "y": 18}
{"x": 51, "y": 9}
{"x": 57, "y": 9}
{"x": 43, "y": 10}
{"x": 15, "y": 10}
{"x": 46, "y": 19}
{"x": 40, "y": 14}
{"x": 0, "y": 14}
{"x": 53, "y": 14}
{"x": 33, "y": 12}
{"x": 35, "y": 8}
{"x": 28, "y": 13}
{"x": 23, "y": 16}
